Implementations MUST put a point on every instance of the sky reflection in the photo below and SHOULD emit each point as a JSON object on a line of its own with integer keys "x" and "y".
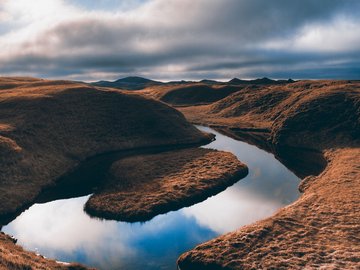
{"x": 61, "y": 229}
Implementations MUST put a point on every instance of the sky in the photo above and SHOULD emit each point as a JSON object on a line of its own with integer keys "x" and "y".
{"x": 180, "y": 39}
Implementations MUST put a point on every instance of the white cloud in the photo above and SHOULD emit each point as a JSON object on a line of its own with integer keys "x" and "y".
{"x": 339, "y": 35}
{"x": 58, "y": 38}
{"x": 232, "y": 209}
{"x": 51, "y": 222}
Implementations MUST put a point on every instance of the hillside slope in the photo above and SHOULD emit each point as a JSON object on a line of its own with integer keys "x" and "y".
{"x": 195, "y": 94}
{"x": 321, "y": 229}
{"x": 48, "y": 127}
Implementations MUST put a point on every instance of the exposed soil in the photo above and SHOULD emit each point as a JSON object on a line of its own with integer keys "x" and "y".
{"x": 142, "y": 187}
{"x": 321, "y": 229}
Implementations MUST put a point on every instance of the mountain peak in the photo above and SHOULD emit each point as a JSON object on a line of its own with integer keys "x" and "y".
{"x": 134, "y": 79}
{"x": 264, "y": 80}
{"x": 129, "y": 83}
{"x": 236, "y": 81}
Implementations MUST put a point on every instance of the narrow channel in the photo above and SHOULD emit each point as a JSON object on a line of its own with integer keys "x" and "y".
{"x": 62, "y": 230}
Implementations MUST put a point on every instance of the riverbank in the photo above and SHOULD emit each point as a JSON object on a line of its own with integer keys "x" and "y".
{"x": 142, "y": 187}
{"x": 13, "y": 256}
{"x": 47, "y": 128}
{"x": 319, "y": 230}
{"x": 44, "y": 133}
{"x": 105, "y": 244}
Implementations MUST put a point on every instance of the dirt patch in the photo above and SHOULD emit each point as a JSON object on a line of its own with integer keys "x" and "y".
{"x": 142, "y": 187}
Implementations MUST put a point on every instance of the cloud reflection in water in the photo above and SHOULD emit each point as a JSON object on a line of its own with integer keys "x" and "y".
{"x": 61, "y": 230}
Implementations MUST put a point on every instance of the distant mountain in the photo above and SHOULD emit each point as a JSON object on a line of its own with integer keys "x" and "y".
{"x": 128, "y": 83}
{"x": 287, "y": 81}
{"x": 238, "y": 81}
{"x": 210, "y": 82}
{"x": 180, "y": 82}
{"x": 262, "y": 81}
{"x": 138, "y": 83}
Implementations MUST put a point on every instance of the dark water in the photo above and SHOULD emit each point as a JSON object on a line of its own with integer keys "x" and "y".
{"x": 62, "y": 230}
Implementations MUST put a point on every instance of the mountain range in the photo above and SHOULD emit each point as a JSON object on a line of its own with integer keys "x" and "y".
{"x": 138, "y": 83}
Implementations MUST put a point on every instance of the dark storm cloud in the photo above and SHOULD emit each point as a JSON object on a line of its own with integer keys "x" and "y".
{"x": 213, "y": 39}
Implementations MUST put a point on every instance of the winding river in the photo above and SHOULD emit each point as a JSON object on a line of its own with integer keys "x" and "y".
{"x": 61, "y": 229}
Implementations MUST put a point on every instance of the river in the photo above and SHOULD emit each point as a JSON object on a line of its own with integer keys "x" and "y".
{"x": 62, "y": 230}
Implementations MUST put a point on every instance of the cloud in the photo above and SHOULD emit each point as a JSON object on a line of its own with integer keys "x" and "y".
{"x": 236, "y": 207}
{"x": 177, "y": 39}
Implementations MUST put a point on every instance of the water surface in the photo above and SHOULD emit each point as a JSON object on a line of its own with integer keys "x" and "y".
{"x": 62, "y": 230}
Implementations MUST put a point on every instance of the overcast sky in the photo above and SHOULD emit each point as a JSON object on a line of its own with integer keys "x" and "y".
{"x": 180, "y": 39}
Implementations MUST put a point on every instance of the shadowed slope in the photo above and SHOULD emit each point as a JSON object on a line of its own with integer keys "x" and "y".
{"x": 128, "y": 83}
{"x": 302, "y": 107}
{"x": 196, "y": 94}
{"x": 48, "y": 127}
{"x": 321, "y": 229}
{"x": 323, "y": 116}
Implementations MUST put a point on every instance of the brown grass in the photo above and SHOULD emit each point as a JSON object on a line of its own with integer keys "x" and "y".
{"x": 190, "y": 94}
{"x": 321, "y": 230}
{"x": 265, "y": 106}
{"x": 142, "y": 187}
{"x": 47, "y": 128}
{"x": 13, "y": 257}
{"x": 197, "y": 94}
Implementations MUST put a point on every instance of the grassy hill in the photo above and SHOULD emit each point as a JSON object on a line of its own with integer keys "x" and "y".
{"x": 320, "y": 229}
{"x": 47, "y": 128}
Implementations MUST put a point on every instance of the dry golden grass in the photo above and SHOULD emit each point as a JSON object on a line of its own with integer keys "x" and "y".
{"x": 320, "y": 230}
{"x": 13, "y": 257}
{"x": 265, "y": 106}
{"x": 191, "y": 93}
{"x": 142, "y": 187}
{"x": 48, "y": 127}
